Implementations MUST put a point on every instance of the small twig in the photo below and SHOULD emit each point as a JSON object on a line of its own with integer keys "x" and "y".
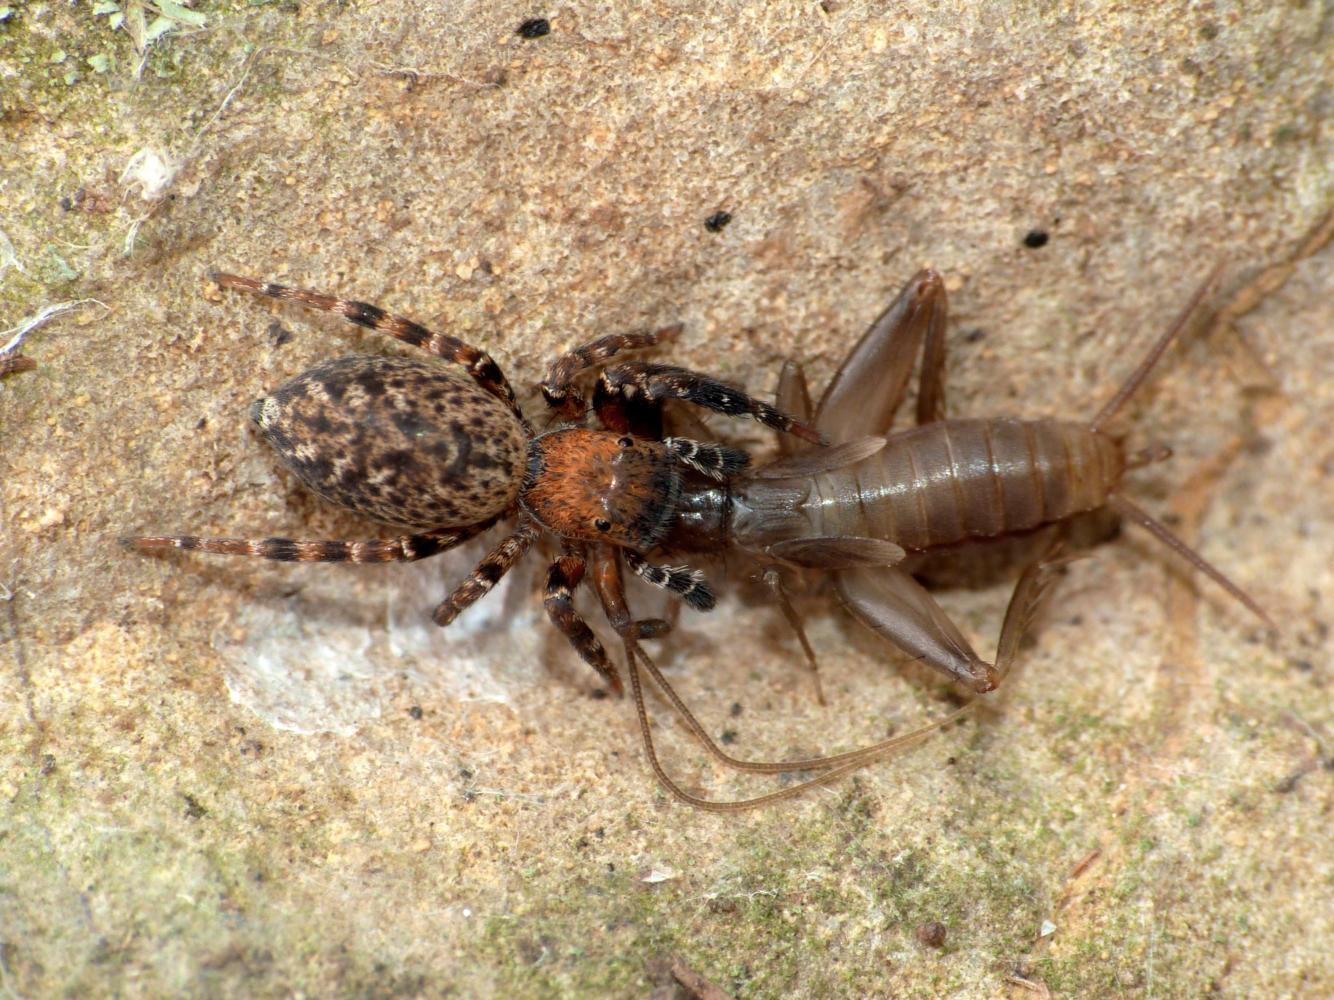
{"x": 9, "y": 256}
{"x": 1085, "y": 861}
{"x": 413, "y": 76}
{"x": 246, "y": 66}
{"x": 1321, "y": 758}
{"x": 1032, "y": 985}
{"x": 1307, "y": 728}
{"x": 15, "y": 362}
{"x": 697, "y": 985}
{"x": 10, "y": 359}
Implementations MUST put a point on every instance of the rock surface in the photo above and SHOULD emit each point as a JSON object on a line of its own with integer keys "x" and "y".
{"x": 227, "y": 779}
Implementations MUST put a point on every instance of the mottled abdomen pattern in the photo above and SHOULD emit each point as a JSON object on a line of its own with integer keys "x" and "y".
{"x": 953, "y": 480}
{"x": 404, "y": 441}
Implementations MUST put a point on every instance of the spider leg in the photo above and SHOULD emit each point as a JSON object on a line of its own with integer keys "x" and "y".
{"x": 480, "y": 365}
{"x": 563, "y": 576}
{"x": 405, "y": 548}
{"x": 558, "y": 388}
{"x": 716, "y": 461}
{"x": 686, "y": 583}
{"x": 627, "y": 393}
{"x": 488, "y": 572}
{"x": 610, "y": 589}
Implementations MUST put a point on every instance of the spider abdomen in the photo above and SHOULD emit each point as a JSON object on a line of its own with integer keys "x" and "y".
{"x": 407, "y": 442}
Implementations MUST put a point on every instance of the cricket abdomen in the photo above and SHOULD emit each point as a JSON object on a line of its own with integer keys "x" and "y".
{"x": 954, "y": 480}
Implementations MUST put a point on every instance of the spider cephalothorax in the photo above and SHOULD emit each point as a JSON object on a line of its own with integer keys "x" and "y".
{"x": 595, "y": 485}
{"x": 599, "y": 486}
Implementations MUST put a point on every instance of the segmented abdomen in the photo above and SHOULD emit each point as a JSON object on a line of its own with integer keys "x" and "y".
{"x": 957, "y": 479}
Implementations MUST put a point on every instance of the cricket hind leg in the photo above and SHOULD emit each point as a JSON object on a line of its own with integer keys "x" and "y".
{"x": 793, "y": 397}
{"x": 827, "y": 553}
{"x": 1029, "y": 593}
{"x": 866, "y": 391}
{"x": 890, "y": 602}
{"x": 604, "y": 561}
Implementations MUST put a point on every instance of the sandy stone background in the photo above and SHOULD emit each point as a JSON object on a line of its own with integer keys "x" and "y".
{"x": 228, "y": 779}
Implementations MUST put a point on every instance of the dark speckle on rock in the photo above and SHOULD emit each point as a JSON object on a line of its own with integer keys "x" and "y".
{"x": 278, "y": 334}
{"x": 534, "y": 27}
{"x": 1035, "y": 238}
{"x": 715, "y": 222}
{"x": 932, "y": 934}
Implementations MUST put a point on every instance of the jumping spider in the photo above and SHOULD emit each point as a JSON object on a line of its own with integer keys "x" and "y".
{"x": 448, "y": 453}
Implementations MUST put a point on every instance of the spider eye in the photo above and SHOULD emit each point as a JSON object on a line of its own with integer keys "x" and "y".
{"x": 625, "y": 442}
{"x": 602, "y": 524}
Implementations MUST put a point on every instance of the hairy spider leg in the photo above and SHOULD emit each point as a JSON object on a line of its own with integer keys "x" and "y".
{"x": 404, "y": 548}
{"x": 686, "y": 583}
{"x": 480, "y": 365}
{"x": 488, "y": 572}
{"x": 558, "y": 388}
{"x": 717, "y": 461}
{"x": 563, "y": 576}
{"x": 634, "y": 390}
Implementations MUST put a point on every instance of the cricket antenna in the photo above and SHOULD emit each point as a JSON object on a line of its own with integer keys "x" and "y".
{"x": 1141, "y": 373}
